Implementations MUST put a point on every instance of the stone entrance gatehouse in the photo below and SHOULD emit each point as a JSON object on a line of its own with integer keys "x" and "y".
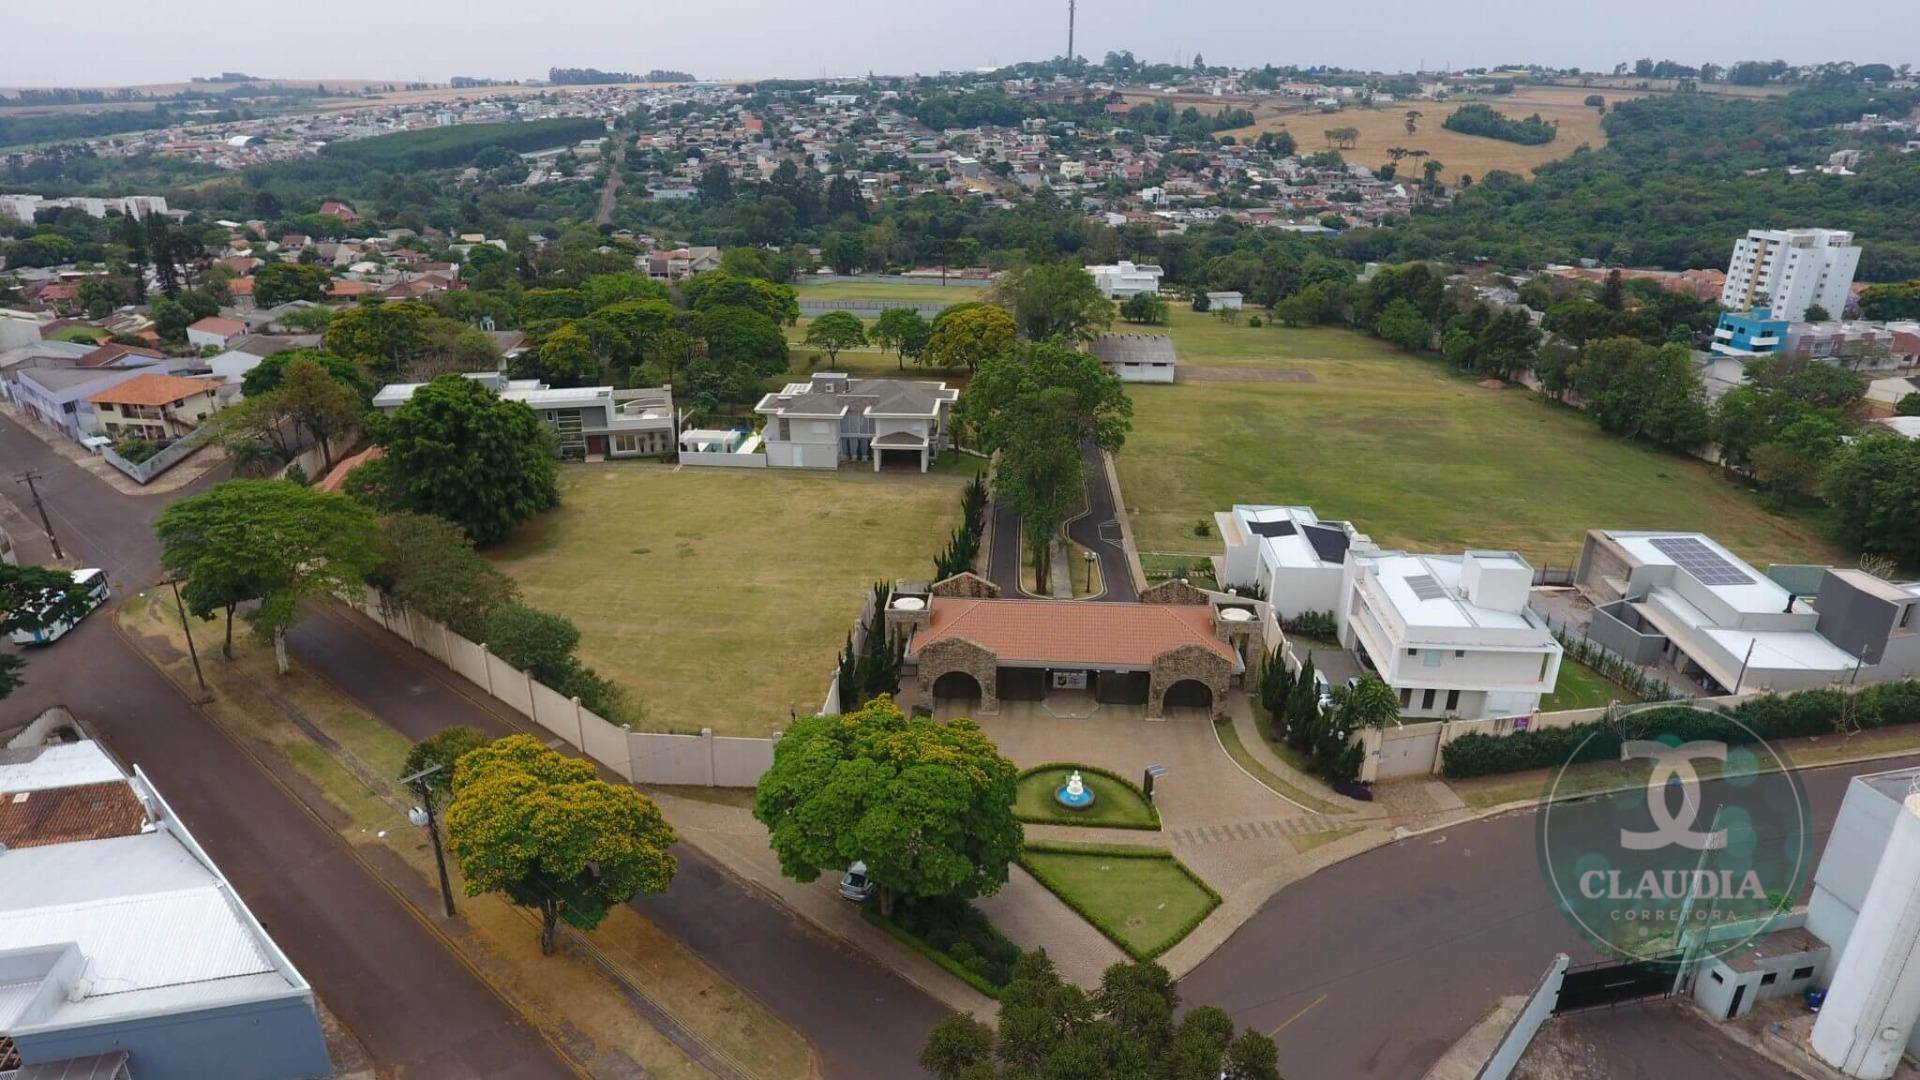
{"x": 1178, "y": 647}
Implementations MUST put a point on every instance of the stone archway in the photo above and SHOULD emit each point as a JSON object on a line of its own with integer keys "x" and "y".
{"x": 956, "y": 686}
{"x": 1189, "y": 663}
{"x": 957, "y": 654}
{"x": 1189, "y": 694}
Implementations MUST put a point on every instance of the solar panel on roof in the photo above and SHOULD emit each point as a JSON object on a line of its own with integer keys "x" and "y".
{"x": 1330, "y": 544}
{"x": 1696, "y": 558}
{"x": 1282, "y": 527}
{"x": 1425, "y": 587}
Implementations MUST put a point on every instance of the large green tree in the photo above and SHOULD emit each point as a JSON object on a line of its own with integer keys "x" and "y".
{"x": 903, "y": 330}
{"x": 279, "y": 283}
{"x": 459, "y": 451}
{"x": 1130, "y": 1026}
{"x": 545, "y": 831}
{"x": 834, "y": 331}
{"x": 969, "y": 337}
{"x": 927, "y": 805}
{"x": 1053, "y": 300}
{"x": 429, "y": 564}
{"x": 269, "y": 540}
{"x": 385, "y": 337}
{"x": 1873, "y": 485}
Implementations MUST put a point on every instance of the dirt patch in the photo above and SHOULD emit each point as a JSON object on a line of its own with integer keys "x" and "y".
{"x": 1245, "y": 374}
{"x": 1491, "y": 384}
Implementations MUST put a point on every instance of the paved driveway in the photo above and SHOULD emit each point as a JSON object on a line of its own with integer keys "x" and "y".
{"x": 1097, "y": 529}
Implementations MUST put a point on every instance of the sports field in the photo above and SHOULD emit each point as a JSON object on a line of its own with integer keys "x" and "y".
{"x": 1414, "y": 454}
{"x": 1385, "y": 127}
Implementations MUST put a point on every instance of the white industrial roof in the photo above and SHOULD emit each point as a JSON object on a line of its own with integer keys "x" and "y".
{"x": 42, "y": 768}
{"x": 1772, "y": 649}
{"x": 1760, "y": 595}
{"x": 159, "y": 929}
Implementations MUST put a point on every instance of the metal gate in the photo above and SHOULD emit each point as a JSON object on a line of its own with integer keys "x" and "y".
{"x": 1593, "y": 986}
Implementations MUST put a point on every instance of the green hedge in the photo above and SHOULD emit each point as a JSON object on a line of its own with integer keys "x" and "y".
{"x": 1774, "y": 716}
{"x": 1106, "y": 774}
{"x": 955, "y": 935}
{"x": 1119, "y": 851}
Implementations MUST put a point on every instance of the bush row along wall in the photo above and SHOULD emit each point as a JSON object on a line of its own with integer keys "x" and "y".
{"x": 641, "y": 757}
{"x": 1766, "y": 716}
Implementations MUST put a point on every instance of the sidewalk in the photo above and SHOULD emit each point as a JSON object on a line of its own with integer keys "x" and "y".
{"x": 196, "y": 465}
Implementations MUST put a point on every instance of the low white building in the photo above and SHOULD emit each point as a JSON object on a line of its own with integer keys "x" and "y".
{"x": 1452, "y": 635}
{"x": 1123, "y": 279}
{"x": 1286, "y": 552}
{"x": 1225, "y": 301}
{"x": 1137, "y": 357}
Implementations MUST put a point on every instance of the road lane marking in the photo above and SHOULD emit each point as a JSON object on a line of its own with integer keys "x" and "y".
{"x": 1289, "y": 1020}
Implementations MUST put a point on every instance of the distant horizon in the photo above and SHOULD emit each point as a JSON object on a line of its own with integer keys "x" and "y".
{"x": 434, "y": 40}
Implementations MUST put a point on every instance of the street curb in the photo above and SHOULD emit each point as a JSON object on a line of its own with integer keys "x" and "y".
{"x": 360, "y": 860}
{"x": 1126, "y": 526}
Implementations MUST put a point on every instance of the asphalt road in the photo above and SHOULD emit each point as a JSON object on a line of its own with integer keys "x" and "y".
{"x": 1374, "y": 967}
{"x": 862, "y": 1018}
{"x": 382, "y": 971}
{"x": 1097, "y": 529}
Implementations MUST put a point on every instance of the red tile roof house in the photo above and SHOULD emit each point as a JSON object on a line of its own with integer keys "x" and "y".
{"x": 155, "y": 406}
{"x": 214, "y": 330}
{"x": 339, "y": 210}
{"x": 1179, "y": 647}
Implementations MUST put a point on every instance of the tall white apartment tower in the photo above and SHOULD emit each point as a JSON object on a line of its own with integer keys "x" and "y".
{"x": 1790, "y": 270}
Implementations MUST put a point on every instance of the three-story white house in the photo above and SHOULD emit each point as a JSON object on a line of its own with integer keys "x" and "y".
{"x": 1453, "y": 636}
{"x": 833, "y": 418}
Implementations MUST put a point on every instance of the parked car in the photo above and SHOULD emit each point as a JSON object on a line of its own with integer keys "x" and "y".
{"x": 855, "y": 885}
{"x": 93, "y": 583}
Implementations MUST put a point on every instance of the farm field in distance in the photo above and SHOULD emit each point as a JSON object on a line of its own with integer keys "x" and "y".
{"x": 720, "y": 597}
{"x": 1414, "y": 455}
{"x": 1386, "y": 127}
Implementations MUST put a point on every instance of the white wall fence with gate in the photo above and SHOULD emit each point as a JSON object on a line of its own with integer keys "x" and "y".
{"x": 642, "y": 757}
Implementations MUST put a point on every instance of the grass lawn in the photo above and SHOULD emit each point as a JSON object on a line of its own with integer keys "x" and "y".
{"x": 80, "y": 334}
{"x": 1230, "y": 742}
{"x": 721, "y": 597}
{"x": 1416, "y": 455}
{"x": 1581, "y": 687}
{"x": 1117, "y": 804}
{"x": 1386, "y": 127}
{"x": 1143, "y": 898}
{"x": 931, "y": 292}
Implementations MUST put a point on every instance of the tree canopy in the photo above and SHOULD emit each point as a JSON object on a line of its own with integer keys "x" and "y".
{"x": 32, "y": 598}
{"x": 459, "y": 451}
{"x": 1053, "y": 300}
{"x": 927, "y": 805}
{"x": 545, "y": 831}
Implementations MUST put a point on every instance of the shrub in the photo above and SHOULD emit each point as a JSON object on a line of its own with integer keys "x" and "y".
{"x": 958, "y": 934}
{"x": 1313, "y": 624}
{"x": 1773, "y": 716}
{"x": 136, "y": 449}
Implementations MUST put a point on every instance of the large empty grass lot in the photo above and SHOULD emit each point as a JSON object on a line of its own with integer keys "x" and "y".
{"x": 1386, "y": 127}
{"x": 929, "y": 292}
{"x": 1415, "y": 455}
{"x": 721, "y": 597}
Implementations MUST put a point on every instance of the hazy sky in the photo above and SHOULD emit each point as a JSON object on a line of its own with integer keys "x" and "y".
{"x": 121, "y": 42}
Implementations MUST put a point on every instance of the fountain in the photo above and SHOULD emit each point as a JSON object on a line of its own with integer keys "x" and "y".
{"x": 1074, "y": 794}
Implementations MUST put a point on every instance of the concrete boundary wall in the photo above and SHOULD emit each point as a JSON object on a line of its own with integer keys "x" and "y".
{"x": 1395, "y": 752}
{"x": 1536, "y": 1011}
{"x": 641, "y": 757}
{"x": 711, "y": 459}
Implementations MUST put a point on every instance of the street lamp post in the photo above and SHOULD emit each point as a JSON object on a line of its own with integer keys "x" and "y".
{"x": 1089, "y": 557}
{"x": 423, "y": 816}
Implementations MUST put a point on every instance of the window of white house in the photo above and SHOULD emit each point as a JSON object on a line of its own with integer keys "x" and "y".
{"x": 1453, "y": 700}
{"x": 1432, "y": 659}
{"x": 1426, "y": 699}
{"x": 786, "y": 430}
{"x": 1406, "y": 697}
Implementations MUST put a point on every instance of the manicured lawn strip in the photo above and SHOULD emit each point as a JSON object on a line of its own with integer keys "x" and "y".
{"x": 884, "y": 292}
{"x": 947, "y": 963}
{"x": 720, "y": 597}
{"x": 1110, "y": 884}
{"x": 1230, "y": 741}
{"x": 1581, "y": 687}
{"x": 1118, "y": 803}
{"x": 1416, "y": 455}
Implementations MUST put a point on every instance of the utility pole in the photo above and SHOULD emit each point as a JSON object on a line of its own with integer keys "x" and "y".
{"x": 187, "y": 629}
{"x": 46, "y": 526}
{"x": 1070, "y": 6}
{"x": 423, "y": 816}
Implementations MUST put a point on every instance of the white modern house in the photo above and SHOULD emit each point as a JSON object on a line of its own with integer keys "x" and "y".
{"x": 590, "y": 422}
{"x": 1452, "y": 636}
{"x": 1289, "y": 554}
{"x": 1788, "y": 271}
{"x": 1683, "y": 599}
{"x": 832, "y": 418}
{"x": 1120, "y": 280}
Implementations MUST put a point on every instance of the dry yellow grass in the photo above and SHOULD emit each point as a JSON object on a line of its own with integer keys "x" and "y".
{"x": 1386, "y": 127}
